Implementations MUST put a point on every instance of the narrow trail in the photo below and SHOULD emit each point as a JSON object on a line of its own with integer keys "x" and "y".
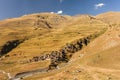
{"x": 103, "y": 69}
{"x": 5, "y": 73}
{"x": 90, "y": 72}
{"x": 94, "y": 71}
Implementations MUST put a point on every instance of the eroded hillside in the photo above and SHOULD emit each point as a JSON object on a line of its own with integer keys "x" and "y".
{"x": 57, "y": 45}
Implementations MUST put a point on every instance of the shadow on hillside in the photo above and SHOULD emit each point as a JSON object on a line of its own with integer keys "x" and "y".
{"x": 8, "y": 46}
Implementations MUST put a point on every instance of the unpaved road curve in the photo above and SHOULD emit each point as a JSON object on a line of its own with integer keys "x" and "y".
{"x": 19, "y": 76}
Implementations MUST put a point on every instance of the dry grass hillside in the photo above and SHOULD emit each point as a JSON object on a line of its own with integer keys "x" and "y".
{"x": 112, "y": 18}
{"x": 88, "y": 46}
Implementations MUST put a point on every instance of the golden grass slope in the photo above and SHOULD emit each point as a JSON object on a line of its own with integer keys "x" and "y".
{"x": 48, "y": 32}
{"x": 111, "y": 18}
{"x": 100, "y": 60}
{"x": 28, "y": 26}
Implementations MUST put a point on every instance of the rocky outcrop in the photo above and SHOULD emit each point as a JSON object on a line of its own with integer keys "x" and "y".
{"x": 47, "y": 20}
{"x": 64, "y": 54}
{"x": 40, "y": 23}
{"x": 9, "y": 46}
